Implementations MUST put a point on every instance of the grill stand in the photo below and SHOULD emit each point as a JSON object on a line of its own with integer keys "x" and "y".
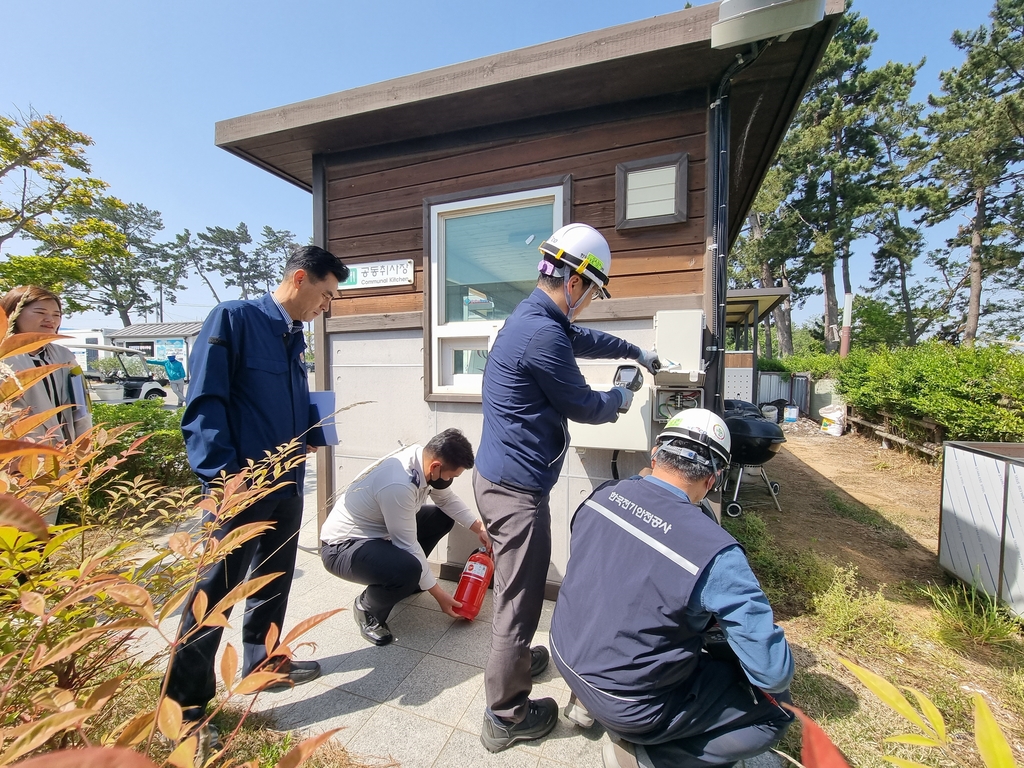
{"x": 734, "y": 508}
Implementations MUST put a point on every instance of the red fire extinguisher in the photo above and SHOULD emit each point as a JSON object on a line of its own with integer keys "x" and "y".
{"x": 476, "y": 577}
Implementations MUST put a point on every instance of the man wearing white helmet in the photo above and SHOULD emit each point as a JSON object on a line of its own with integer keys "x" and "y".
{"x": 668, "y": 694}
{"x": 531, "y": 387}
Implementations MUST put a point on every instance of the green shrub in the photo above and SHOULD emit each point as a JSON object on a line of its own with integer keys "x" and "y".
{"x": 162, "y": 457}
{"x": 975, "y": 393}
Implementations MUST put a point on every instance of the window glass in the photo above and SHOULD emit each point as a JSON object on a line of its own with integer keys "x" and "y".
{"x": 490, "y": 260}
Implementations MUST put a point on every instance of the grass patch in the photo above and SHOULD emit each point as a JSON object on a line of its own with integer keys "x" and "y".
{"x": 968, "y": 616}
{"x": 789, "y": 579}
{"x": 858, "y": 512}
{"x": 892, "y": 534}
{"x": 855, "y": 617}
{"x": 257, "y": 739}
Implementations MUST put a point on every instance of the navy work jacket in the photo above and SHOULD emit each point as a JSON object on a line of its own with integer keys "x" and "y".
{"x": 249, "y": 393}
{"x": 532, "y": 386}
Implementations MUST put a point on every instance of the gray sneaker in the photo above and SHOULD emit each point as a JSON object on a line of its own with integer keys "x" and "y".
{"x": 541, "y": 719}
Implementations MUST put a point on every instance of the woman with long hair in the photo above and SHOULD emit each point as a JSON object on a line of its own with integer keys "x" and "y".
{"x": 32, "y": 309}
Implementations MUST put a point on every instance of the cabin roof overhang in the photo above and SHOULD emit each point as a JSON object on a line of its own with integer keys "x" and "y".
{"x": 657, "y": 57}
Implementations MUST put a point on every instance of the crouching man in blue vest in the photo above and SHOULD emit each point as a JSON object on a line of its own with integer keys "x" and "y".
{"x": 647, "y": 576}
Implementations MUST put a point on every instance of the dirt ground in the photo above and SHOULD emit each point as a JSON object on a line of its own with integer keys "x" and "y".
{"x": 851, "y": 500}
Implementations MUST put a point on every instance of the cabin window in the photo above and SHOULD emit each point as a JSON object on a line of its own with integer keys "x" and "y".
{"x": 484, "y": 252}
{"x": 651, "y": 192}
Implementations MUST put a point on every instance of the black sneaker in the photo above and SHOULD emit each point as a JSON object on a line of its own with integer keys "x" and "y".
{"x": 374, "y": 630}
{"x": 539, "y": 658}
{"x": 541, "y": 718}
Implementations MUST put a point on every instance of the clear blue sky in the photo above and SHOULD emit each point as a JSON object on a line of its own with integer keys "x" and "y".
{"x": 147, "y": 81}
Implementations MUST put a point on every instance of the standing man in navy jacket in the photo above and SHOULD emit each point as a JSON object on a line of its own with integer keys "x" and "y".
{"x": 531, "y": 386}
{"x": 249, "y": 394}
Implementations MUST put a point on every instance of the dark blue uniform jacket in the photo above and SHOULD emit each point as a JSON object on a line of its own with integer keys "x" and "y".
{"x": 532, "y": 385}
{"x": 249, "y": 393}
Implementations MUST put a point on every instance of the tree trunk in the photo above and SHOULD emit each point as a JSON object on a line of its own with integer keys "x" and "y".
{"x": 202, "y": 273}
{"x": 847, "y": 285}
{"x": 828, "y": 278}
{"x": 974, "y": 302}
{"x": 125, "y": 320}
{"x": 910, "y": 327}
{"x": 784, "y": 322}
{"x": 767, "y": 281}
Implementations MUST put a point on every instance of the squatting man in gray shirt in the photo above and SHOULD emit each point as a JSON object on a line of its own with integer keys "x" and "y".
{"x": 381, "y": 530}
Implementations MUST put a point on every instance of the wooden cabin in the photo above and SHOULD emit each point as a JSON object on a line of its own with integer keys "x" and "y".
{"x": 437, "y": 188}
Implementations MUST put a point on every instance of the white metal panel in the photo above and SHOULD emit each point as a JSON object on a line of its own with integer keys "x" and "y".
{"x": 739, "y": 384}
{"x": 1013, "y": 558}
{"x": 972, "y": 510}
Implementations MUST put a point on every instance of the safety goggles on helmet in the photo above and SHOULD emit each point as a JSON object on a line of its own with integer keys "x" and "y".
{"x": 583, "y": 250}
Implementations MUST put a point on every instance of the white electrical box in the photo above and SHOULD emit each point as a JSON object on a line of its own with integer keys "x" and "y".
{"x": 678, "y": 338}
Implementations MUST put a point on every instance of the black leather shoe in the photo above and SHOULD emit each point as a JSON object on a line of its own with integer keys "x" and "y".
{"x": 377, "y": 632}
{"x": 298, "y": 672}
{"x": 539, "y": 658}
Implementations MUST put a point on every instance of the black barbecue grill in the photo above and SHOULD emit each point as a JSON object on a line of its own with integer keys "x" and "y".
{"x": 755, "y": 441}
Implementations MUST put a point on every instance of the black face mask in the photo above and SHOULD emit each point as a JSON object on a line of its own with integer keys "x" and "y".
{"x": 440, "y": 484}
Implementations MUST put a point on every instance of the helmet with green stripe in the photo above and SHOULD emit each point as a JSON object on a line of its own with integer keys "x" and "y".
{"x": 698, "y": 435}
{"x": 581, "y": 249}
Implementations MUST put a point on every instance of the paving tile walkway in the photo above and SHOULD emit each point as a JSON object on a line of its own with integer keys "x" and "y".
{"x": 419, "y": 701}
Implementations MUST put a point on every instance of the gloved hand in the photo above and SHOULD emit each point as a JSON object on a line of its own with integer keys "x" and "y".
{"x": 627, "y": 398}
{"x": 649, "y": 359}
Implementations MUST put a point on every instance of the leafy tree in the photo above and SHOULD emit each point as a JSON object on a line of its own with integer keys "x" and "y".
{"x": 126, "y": 266}
{"x": 60, "y": 274}
{"x": 43, "y": 171}
{"x": 188, "y": 255}
{"x": 227, "y": 252}
{"x": 224, "y": 252}
{"x": 272, "y": 251}
{"x": 833, "y": 151}
{"x": 840, "y": 175}
{"x": 977, "y": 132}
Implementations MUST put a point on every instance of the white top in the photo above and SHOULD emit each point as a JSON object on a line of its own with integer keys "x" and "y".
{"x": 382, "y": 502}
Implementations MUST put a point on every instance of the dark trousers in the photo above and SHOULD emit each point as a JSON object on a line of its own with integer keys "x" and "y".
{"x": 190, "y": 680}
{"x": 715, "y": 719}
{"x": 389, "y": 573}
{"x": 519, "y": 524}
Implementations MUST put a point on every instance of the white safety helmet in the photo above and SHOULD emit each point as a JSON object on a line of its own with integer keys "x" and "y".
{"x": 701, "y": 427}
{"x": 582, "y": 249}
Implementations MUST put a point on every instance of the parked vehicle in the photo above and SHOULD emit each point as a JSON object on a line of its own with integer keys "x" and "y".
{"x": 120, "y": 376}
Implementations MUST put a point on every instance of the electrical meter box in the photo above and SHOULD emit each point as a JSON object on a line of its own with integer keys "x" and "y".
{"x": 679, "y": 339}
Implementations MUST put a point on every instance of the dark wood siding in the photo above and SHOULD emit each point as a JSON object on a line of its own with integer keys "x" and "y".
{"x": 375, "y": 206}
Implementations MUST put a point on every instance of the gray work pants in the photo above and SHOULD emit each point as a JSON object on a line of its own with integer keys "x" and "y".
{"x": 519, "y": 524}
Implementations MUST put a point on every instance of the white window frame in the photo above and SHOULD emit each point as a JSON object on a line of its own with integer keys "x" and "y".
{"x": 444, "y": 338}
